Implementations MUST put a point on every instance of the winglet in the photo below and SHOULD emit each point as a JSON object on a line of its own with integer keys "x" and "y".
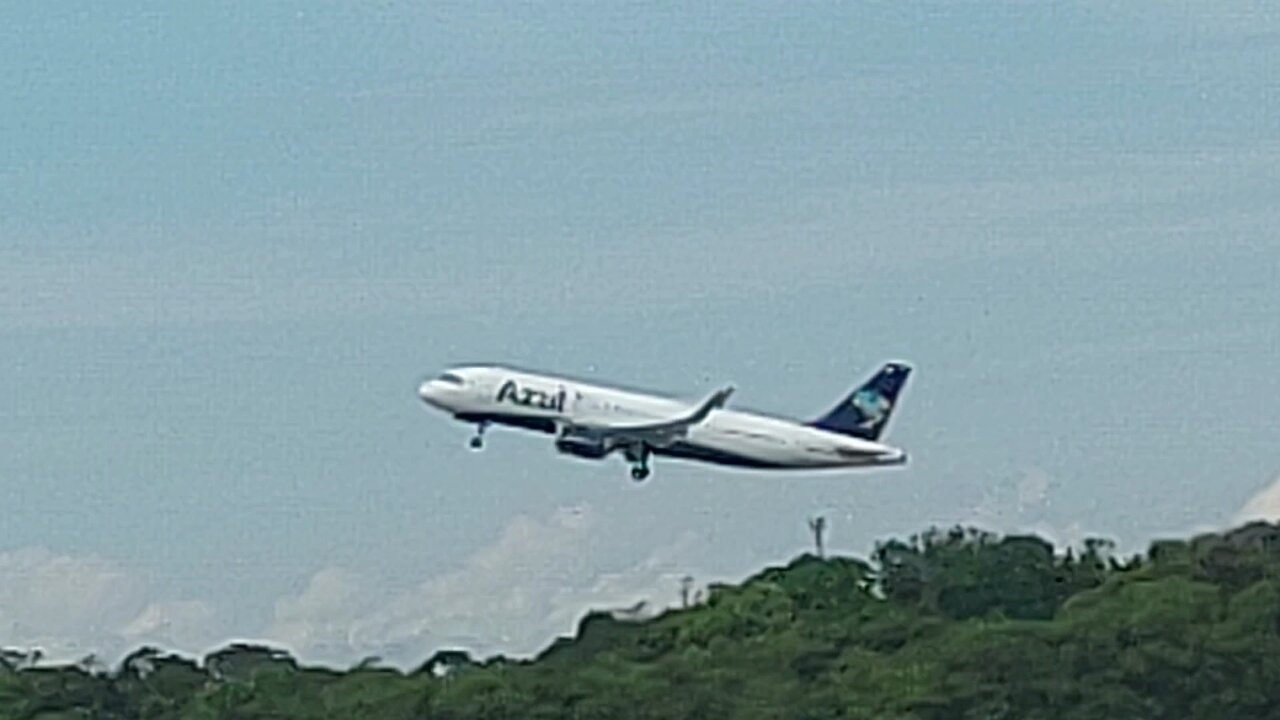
{"x": 678, "y": 424}
{"x": 714, "y": 402}
{"x": 721, "y": 396}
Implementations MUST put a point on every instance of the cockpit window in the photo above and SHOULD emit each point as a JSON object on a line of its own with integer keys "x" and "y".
{"x": 451, "y": 378}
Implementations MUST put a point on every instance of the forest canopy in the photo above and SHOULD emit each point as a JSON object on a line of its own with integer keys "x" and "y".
{"x": 956, "y": 623}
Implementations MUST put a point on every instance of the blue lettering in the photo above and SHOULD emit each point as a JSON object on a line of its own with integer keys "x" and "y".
{"x": 531, "y": 397}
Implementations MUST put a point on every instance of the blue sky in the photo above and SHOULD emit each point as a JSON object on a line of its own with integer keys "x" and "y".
{"x": 234, "y": 237}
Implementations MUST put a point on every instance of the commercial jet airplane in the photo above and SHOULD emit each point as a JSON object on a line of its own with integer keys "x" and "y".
{"x": 592, "y": 421}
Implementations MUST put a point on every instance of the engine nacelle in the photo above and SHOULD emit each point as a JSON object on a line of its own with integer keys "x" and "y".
{"x": 589, "y": 448}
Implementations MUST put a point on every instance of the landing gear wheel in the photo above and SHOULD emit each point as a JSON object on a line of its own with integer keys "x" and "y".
{"x": 477, "y": 441}
{"x": 638, "y": 456}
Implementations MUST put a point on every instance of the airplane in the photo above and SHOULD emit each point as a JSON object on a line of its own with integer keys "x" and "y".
{"x": 592, "y": 421}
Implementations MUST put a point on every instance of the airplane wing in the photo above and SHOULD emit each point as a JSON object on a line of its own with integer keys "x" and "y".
{"x": 666, "y": 426}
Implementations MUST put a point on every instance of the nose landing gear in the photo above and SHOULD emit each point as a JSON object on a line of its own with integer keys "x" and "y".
{"x": 477, "y": 440}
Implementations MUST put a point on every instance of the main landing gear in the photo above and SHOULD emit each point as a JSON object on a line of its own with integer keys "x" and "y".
{"x": 639, "y": 459}
{"x": 477, "y": 440}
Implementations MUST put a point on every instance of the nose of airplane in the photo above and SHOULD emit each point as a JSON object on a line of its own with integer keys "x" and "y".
{"x": 429, "y": 392}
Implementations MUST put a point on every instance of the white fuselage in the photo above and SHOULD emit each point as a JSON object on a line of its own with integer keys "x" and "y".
{"x": 500, "y": 395}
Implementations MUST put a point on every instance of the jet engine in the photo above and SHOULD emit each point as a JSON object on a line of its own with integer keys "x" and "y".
{"x": 584, "y": 447}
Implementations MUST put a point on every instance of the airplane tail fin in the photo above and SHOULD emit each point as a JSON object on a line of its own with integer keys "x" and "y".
{"x": 865, "y": 412}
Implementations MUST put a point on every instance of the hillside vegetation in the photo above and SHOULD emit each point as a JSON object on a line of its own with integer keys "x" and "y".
{"x": 950, "y": 624}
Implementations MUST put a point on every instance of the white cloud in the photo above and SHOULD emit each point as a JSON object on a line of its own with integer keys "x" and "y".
{"x": 1026, "y": 506}
{"x": 514, "y": 596}
{"x": 188, "y": 625}
{"x": 1265, "y": 505}
{"x": 319, "y": 619}
{"x": 65, "y": 605}
{"x": 72, "y": 606}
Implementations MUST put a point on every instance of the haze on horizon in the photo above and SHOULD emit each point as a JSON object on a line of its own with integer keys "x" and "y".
{"x": 235, "y": 236}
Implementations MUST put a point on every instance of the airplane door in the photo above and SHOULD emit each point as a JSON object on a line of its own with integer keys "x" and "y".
{"x": 572, "y": 399}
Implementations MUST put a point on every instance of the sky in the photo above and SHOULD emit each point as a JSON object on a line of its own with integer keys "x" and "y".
{"x": 235, "y": 236}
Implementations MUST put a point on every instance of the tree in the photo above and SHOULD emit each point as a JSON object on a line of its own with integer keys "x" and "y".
{"x": 956, "y": 623}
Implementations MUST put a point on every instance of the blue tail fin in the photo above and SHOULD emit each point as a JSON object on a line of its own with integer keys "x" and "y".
{"x": 865, "y": 412}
